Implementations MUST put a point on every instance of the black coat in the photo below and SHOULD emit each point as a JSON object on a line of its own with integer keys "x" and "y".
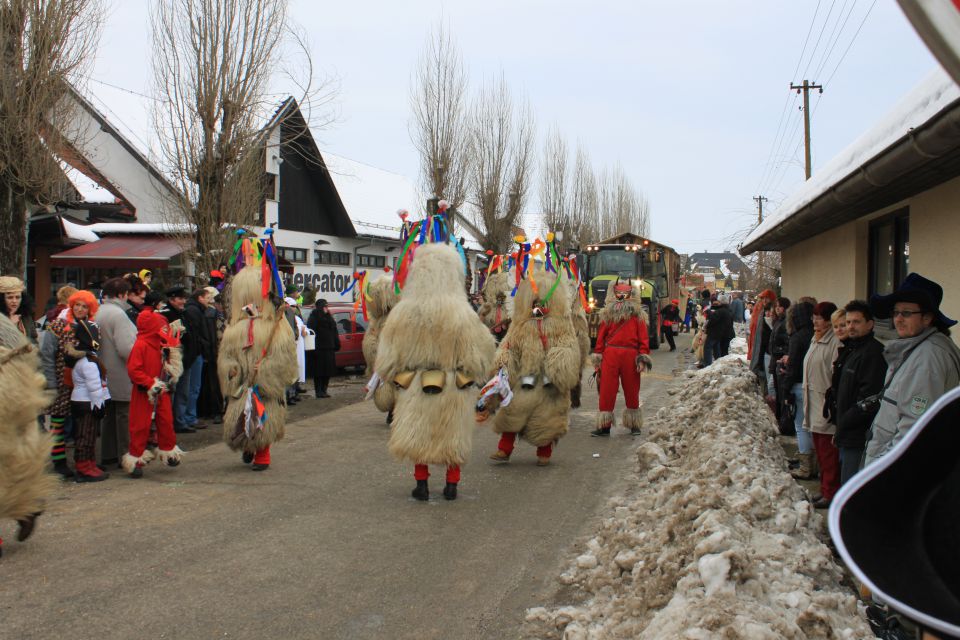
{"x": 860, "y": 375}
{"x": 197, "y": 340}
{"x": 799, "y": 342}
{"x": 326, "y": 345}
{"x": 720, "y": 323}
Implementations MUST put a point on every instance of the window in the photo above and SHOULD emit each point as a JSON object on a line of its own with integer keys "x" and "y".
{"x": 331, "y": 257}
{"x": 889, "y": 252}
{"x": 364, "y": 260}
{"x": 293, "y": 255}
{"x": 349, "y": 322}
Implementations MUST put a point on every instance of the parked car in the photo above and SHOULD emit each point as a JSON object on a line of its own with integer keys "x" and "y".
{"x": 351, "y": 327}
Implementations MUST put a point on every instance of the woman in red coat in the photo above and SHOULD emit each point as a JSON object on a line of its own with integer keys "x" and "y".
{"x": 623, "y": 348}
{"x": 154, "y": 365}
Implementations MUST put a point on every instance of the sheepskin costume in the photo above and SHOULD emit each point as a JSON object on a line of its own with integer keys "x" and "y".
{"x": 257, "y": 352}
{"x": 622, "y": 348}
{"x": 497, "y": 307}
{"x": 25, "y": 484}
{"x": 541, "y": 354}
{"x": 433, "y": 353}
{"x": 581, "y": 327}
{"x": 381, "y": 299}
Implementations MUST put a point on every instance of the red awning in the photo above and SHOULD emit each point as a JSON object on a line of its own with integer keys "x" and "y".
{"x": 126, "y": 251}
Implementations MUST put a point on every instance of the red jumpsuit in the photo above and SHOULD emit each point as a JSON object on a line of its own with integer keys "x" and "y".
{"x": 144, "y": 366}
{"x": 620, "y": 344}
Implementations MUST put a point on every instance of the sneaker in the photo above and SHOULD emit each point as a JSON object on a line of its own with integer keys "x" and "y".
{"x": 600, "y": 433}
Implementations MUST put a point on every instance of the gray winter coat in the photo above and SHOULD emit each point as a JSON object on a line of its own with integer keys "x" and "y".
{"x": 117, "y": 335}
{"x": 930, "y": 370}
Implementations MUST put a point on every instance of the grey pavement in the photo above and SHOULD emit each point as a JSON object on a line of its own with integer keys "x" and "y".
{"x": 327, "y": 543}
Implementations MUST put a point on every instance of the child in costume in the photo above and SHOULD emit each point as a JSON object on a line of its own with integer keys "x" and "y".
{"x": 257, "y": 362}
{"x": 88, "y": 400}
{"x": 541, "y": 355}
{"x": 154, "y": 366}
{"x": 431, "y": 353}
{"x": 621, "y": 352}
{"x": 25, "y": 484}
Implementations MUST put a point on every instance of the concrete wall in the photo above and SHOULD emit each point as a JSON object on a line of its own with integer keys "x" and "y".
{"x": 834, "y": 265}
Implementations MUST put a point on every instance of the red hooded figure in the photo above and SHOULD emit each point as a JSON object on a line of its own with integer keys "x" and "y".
{"x": 154, "y": 365}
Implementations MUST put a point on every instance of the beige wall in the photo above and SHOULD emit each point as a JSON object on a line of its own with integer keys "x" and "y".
{"x": 833, "y": 265}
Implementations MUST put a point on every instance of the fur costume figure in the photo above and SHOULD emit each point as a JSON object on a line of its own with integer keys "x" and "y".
{"x": 581, "y": 327}
{"x": 381, "y": 299}
{"x": 256, "y": 363}
{"x": 433, "y": 351}
{"x": 621, "y": 351}
{"x": 541, "y": 354}
{"x": 25, "y": 484}
{"x": 497, "y": 307}
{"x": 154, "y": 366}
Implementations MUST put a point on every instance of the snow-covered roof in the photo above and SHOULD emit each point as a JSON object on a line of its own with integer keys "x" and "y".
{"x": 89, "y": 190}
{"x": 936, "y": 92}
{"x": 372, "y": 198}
{"x": 79, "y": 232}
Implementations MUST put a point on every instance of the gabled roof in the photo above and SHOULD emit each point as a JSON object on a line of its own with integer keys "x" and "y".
{"x": 707, "y": 259}
{"x": 914, "y": 148}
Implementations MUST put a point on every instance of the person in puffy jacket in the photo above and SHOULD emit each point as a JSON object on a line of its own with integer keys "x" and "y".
{"x": 88, "y": 399}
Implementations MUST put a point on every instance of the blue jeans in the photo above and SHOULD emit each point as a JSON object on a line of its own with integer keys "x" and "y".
{"x": 804, "y": 439}
{"x": 186, "y": 394}
{"x": 771, "y": 389}
{"x": 850, "y": 460}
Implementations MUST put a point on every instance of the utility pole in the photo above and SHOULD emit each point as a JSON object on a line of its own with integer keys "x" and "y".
{"x": 760, "y": 254}
{"x": 805, "y": 87}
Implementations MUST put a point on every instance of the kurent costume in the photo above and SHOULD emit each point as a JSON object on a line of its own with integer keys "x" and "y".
{"x": 622, "y": 350}
{"x": 581, "y": 328}
{"x": 497, "y": 307}
{"x": 257, "y": 362}
{"x": 381, "y": 298}
{"x": 432, "y": 352}
{"x": 25, "y": 484}
{"x": 541, "y": 354}
{"x": 154, "y": 366}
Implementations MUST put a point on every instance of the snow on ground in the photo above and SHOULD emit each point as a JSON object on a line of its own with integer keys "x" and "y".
{"x": 738, "y": 346}
{"x": 712, "y": 540}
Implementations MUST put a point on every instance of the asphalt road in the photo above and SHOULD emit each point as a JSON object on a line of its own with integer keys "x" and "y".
{"x": 327, "y": 543}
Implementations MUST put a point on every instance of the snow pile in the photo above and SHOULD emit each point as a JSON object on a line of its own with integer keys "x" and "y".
{"x": 713, "y": 540}
{"x": 738, "y": 346}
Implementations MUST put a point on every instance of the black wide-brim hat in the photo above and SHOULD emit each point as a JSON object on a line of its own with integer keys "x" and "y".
{"x": 87, "y": 335}
{"x": 917, "y": 289}
{"x": 896, "y": 524}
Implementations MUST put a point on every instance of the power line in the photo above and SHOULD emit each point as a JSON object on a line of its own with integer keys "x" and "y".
{"x": 125, "y": 90}
{"x": 852, "y": 40}
{"x": 832, "y": 44}
{"x": 819, "y": 37}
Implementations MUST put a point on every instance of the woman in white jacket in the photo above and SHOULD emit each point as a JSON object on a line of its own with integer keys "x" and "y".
{"x": 88, "y": 400}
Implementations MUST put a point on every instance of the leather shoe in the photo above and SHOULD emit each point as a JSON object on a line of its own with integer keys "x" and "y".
{"x": 184, "y": 429}
{"x": 822, "y": 503}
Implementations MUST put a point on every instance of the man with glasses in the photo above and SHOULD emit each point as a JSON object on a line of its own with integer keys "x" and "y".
{"x": 922, "y": 364}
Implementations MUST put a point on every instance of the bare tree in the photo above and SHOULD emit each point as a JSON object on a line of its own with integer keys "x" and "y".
{"x": 45, "y": 47}
{"x": 213, "y": 64}
{"x": 555, "y": 185}
{"x": 439, "y": 127}
{"x": 623, "y": 208}
{"x": 584, "y": 203}
{"x": 501, "y": 136}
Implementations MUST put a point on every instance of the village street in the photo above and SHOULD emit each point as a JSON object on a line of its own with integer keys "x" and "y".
{"x": 325, "y": 544}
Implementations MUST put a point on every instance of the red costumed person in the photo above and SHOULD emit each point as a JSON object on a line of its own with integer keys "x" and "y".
{"x": 622, "y": 350}
{"x": 154, "y": 365}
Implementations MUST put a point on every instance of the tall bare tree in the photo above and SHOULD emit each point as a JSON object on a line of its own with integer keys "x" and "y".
{"x": 502, "y": 139}
{"x": 555, "y": 185}
{"x": 584, "y": 203}
{"x": 439, "y": 131}
{"x": 623, "y": 208}
{"x": 44, "y": 45}
{"x": 213, "y": 64}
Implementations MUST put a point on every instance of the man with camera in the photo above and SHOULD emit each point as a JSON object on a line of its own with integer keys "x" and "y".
{"x": 923, "y": 364}
{"x": 857, "y": 388}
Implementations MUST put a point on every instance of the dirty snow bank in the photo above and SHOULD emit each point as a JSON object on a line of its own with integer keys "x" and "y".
{"x": 712, "y": 540}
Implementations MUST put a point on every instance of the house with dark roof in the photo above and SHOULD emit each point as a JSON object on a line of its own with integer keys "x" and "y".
{"x": 884, "y": 207}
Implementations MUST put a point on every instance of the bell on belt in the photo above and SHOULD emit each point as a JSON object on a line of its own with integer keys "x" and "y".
{"x": 463, "y": 380}
{"x": 546, "y": 381}
{"x": 403, "y": 379}
{"x": 432, "y": 381}
{"x": 528, "y": 382}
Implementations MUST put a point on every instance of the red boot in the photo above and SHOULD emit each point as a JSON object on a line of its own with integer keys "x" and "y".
{"x": 87, "y": 471}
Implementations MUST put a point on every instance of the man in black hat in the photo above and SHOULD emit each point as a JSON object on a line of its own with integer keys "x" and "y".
{"x": 922, "y": 365}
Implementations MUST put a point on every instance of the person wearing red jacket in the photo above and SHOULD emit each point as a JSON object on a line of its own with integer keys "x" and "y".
{"x": 154, "y": 365}
{"x": 622, "y": 350}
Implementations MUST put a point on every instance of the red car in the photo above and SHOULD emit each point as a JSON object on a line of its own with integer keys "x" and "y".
{"x": 351, "y": 327}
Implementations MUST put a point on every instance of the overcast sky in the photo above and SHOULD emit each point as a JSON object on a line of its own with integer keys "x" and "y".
{"x": 687, "y": 96}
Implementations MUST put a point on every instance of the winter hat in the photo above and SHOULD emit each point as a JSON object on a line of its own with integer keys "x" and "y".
{"x": 290, "y": 301}
{"x": 11, "y": 284}
{"x": 915, "y": 288}
{"x": 909, "y": 557}
{"x": 213, "y": 292}
{"x": 87, "y": 335}
{"x": 144, "y": 274}
{"x": 674, "y": 301}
